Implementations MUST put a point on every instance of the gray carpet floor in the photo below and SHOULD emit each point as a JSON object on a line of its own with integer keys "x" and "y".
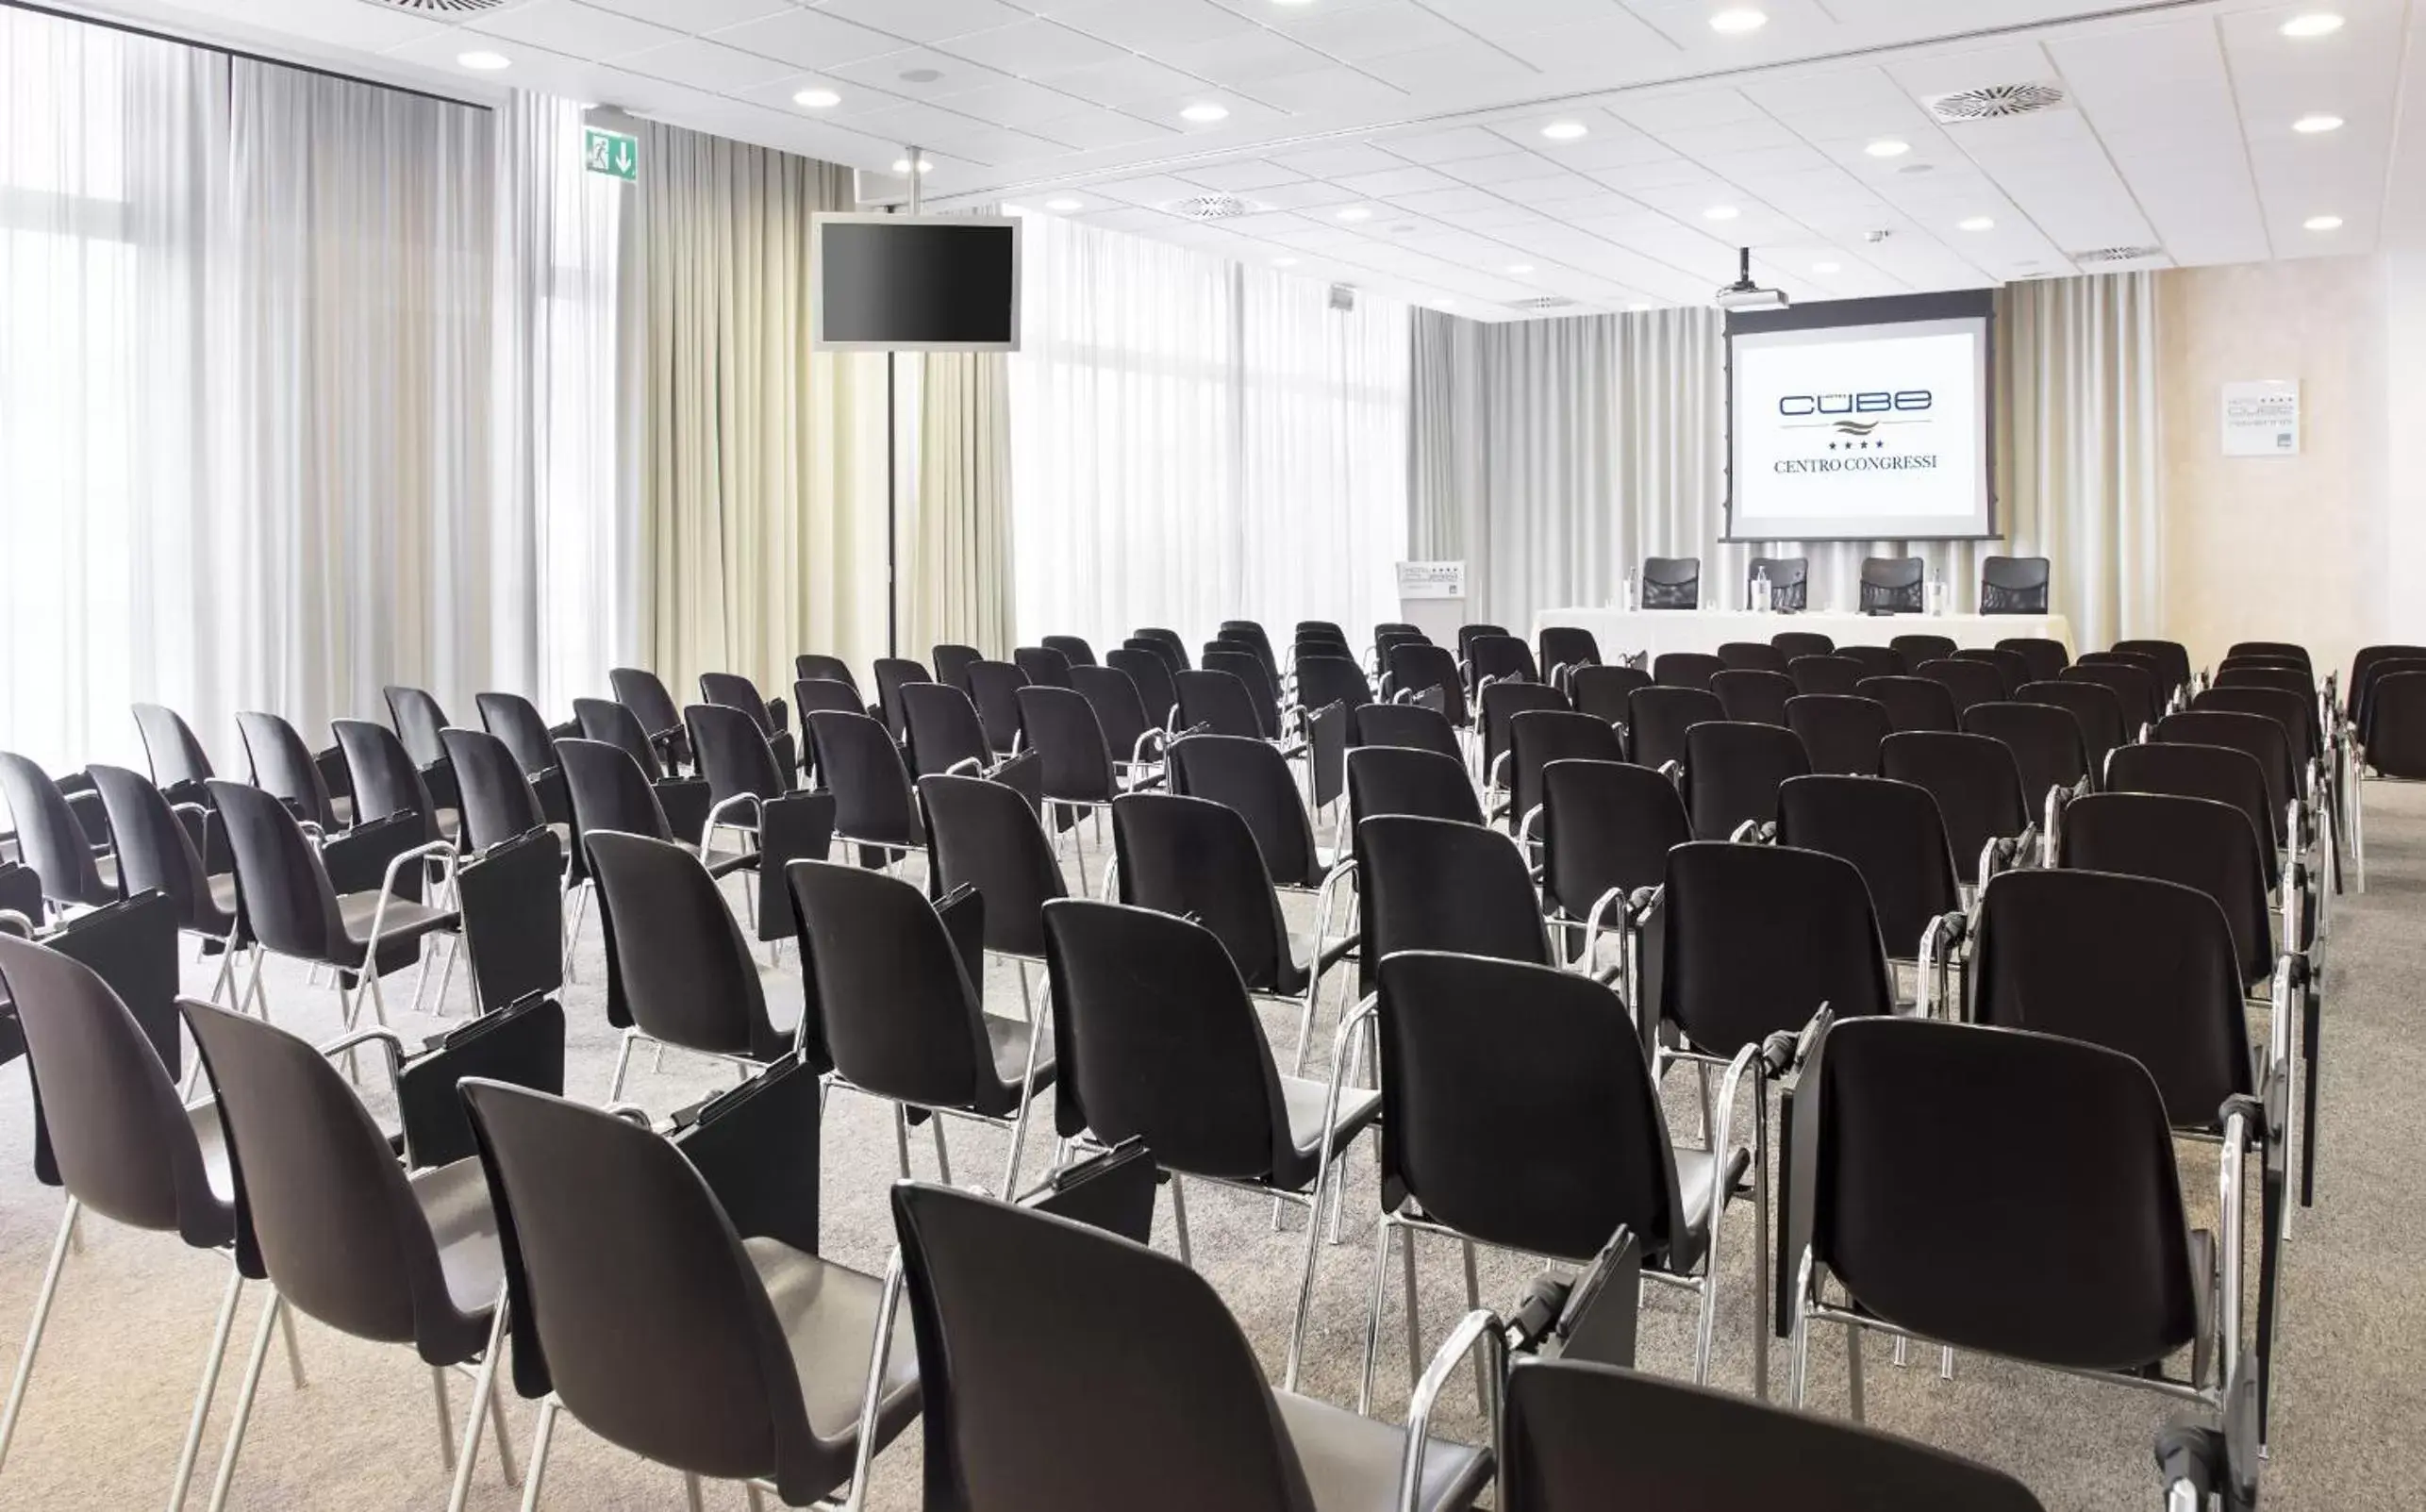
{"x": 117, "y": 1372}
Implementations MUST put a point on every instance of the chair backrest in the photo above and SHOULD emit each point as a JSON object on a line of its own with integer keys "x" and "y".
{"x": 2133, "y": 687}
{"x": 1520, "y": 1107}
{"x": 2296, "y": 712}
{"x": 1043, "y": 665}
{"x": 1407, "y": 724}
{"x": 1793, "y": 643}
{"x": 1658, "y": 716}
{"x": 609, "y": 792}
{"x": 177, "y": 759}
{"x": 1540, "y": 737}
{"x": 2270, "y": 675}
{"x": 1759, "y": 936}
{"x": 1911, "y": 702}
{"x": 994, "y": 686}
{"x": 2363, "y": 700}
{"x": 1014, "y": 1307}
{"x": 1753, "y": 697}
{"x": 1255, "y": 637}
{"x": 1841, "y": 732}
{"x": 862, "y": 768}
{"x": 2196, "y": 843}
{"x": 1733, "y": 771}
{"x": 155, "y": 852}
{"x": 944, "y": 730}
{"x": 1427, "y": 884}
{"x": 2396, "y": 738}
{"x": 1218, "y": 701}
{"x": 1892, "y": 583}
{"x": 1163, "y": 635}
{"x": 683, "y": 967}
{"x": 1894, "y": 837}
{"x": 1580, "y": 1435}
{"x": 645, "y": 694}
{"x": 1750, "y": 655}
{"x": 122, "y": 1141}
{"x": 2361, "y": 662}
{"x": 1322, "y": 681}
{"x": 1686, "y": 668}
{"x": 891, "y": 673}
{"x": 1502, "y": 702}
{"x": 1390, "y": 779}
{"x": 2271, "y": 648}
{"x": 951, "y": 661}
{"x": 1120, "y": 712}
{"x": 983, "y": 835}
{"x": 1192, "y": 857}
{"x": 1173, "y": 658}
{"x": 730, "y": 689}
{"x": 2046, "y": 658}
{"x": 2013, "y": 585}
{"x": 1152, "y": 675}
{"x": 1467, "y": 634}
{"x": 1877, "y": 661}
{"x": 1789, "y": 581}
{"x": 2222, "y": 774}
{"x": 1248, "y": 669}
{"x": 284, "y": 765}
{"x": 1569, "y": 646}
{"x": 1603, "y": 691}
{"x": 498, "y": 803}
{"x": 1156, "y": 1038}
{"x": 2172, "y": 660}
{"x": 1253, "y": 777}
{"x": 611, "y": 723}
{"x": 1501, "y": 655}
{"x": 2012, "y": 669}
{"x": 2045, "y": 741}
{"x": 733, "y": 755}
{"x": 1967, "y": 682}
{"x": 812, "y": 664}
{"x": 1975, "y": 780}
{"x": 383, "y": 776}
{"x": 1067, "y": 739}
{"x": 49, "y": 836}
{"x": 2068, "y": 1248}
{"x": 896, "y": 1009}
{"x": 418, "y": 720}
{"x": 811, "y": 695}
{"x": 1672, "y": 582}
{"x": 1825, "y": 675}
{"x": 1606, "y": 824}
{"x": 2261, "y": 738}
{"x": 323, "y": 1198}
{"x": 721, "y": 1395}
{"x": 289, "y": 905}
{"x": 1919, "y": 647}
{"x": 1078, "y": 652}
{"x": 2095, "y": 708}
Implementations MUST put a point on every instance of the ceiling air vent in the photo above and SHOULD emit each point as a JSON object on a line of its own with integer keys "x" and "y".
{"x": 2098, "y": 255}
{"x": 441, "y": 8}
{"x": 1993, "y": 102}
{"x": 1211, "y": 206}
{"x": 1544, "y": 302}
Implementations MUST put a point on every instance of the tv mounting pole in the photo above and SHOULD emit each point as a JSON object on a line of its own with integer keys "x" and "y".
{"x": 892, "y": 467}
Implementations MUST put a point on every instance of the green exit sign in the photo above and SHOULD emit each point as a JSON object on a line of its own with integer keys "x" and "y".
{"x": 615, "y": 154}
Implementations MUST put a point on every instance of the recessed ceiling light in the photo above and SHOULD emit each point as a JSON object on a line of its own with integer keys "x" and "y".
{"x": 1721, "y": 212}
{"x": 1739, "y": 21}
{"x": 900, "y": 165}
{"x": 1566, "y": 131}
{"x": 921, "y": 75}
{"x": 1824, "y": 268}
{"x": 2310, "y": 125}
{"x": 485, "y": 63}
{"x": 1887, "y": 148}
{"x": 1519, "y": 268}
{"x": 1284, "y": 263}
{"x": 1064, "y": 204}
{"x": 1354, "y": 212}
{"x": 1976, "y": 223}
{"x": 2313, "y": 23}
{"x": 817, "y": 99}
{"x": 1637, "y": 309}
{"x": 2323, "y": 223}
{"x": 1205, "y": 113}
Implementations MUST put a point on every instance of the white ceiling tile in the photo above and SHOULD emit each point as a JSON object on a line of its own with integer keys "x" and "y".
{"x": 889, "y": 71}
{"x": 1157, "y": 27}
{"x": 1446, "y": 146}
{"x": 809, "y": 38}
{"x": 1031, "y": 48}
{"x": 696, "y": 16}
{"x": 1255, "y": 56}
{"x": 1014, "y": 103}
{"x": 1619, "y": 45}
{"x": 926, "y": 21}
{"x": 1436, "y": 201}
{"x": 1376, "y": 29}
{"x": 1551, "y": 189}
{"x": 1159, "y": 188}
{"x": 705, "y": 65}
{"x": 1304, "y": 193}
{"x": 1332, "y": 162}
{"x": 1240, "y": 175}
{"x": 1459, "y": 63}
{"x": 1396, "y": 183}
{"x": 1329, "y": 89}
{"x": 1122, "y": 79}
{"x": 1499, "y": 169}
{"x": 1093, "y": 128}
{"x": 569, "y": 27}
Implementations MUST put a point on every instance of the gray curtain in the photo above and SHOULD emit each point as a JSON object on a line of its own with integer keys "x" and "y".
{"x": 959, "y": 536}
{"x": 1551, "y": 456}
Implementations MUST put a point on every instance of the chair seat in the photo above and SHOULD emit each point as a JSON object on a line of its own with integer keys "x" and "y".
{"x": 1008, "y": 1039}
{"x": 828, "y": 1315}
{"x": 1303, "y": 1098}
{"x": 1697, "y": 1184}
{"x": 454, "y": 1199}
{"x": 1352, "y": 1463}
{"x": 405, "y": 919}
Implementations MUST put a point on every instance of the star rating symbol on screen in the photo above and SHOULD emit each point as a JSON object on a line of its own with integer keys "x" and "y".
{"x": 1857, "y": 446}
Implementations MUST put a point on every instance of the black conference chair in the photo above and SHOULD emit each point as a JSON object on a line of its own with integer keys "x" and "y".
{"x": 901, "y": 1008}
{"x": 1917, "y": 648}
{"x": 2047, "y": 749}
{"x": 385, "y": 778}
{"x": 1565, "y": 648}
{"x": 745, "y": 775}
{"x": 1841, "y": 733}
{"x": 1164, "y": 635}
{"x": 2172, "y": 660}
{"x": 1501, "y": 657}
{"x": 1789, "y": 582}
{"x": 1686, "y": 668}
{"x": 892, "y": 673}
{"x": 1407, "y": 724}
{"x": 1602, "y": 691}
{"x": 1752, "y": 655}
{"x": 1606, "y": 829}
{"x": 2013, "y": 585}
{"x": 683, "y": 800}
{"x": 1892, "y": 585}
{"x": 1911, "y": 702}
{"x": 1152, "y": 675}
{"x": 643, "y": 692}
{"x": 1672, "y": 583}
{"x": 873, "y": 805}
{"x": 1428, "y": 884}
{"x": 2046, "y": 658}
{"x": 1577, "y": 1435}
{"x": 759, "y": 1352}
{"x": 420, "y": 723}
{"x": 498, "y": 803}
{"x": 2013, "y": 668}
{"x": 512, "y": 718}
{"x": 179, "y": 765}
{"x": 2222, "y": 774}
{"x": 285, "y": 767}
{"x": 1877, "y": 661}
{"x": 993, "y": 686}
{"x": 1385, "y": 779}
{"x": 609, "y": 792}
{"x": 1043, "y": 665}
{"x": 733, "y": 690}
{"x": 1073, "y": 648}
{"x": 945, "y": 735}
{"x": 1826, "y": 675}
{"x": 1978, "y": 788}
{"x": 1261, "y": 687}
{"x": 1893, "y": 835}
{"x": 1501, "y": 704}
{"x": 2134, "y": 688}
{"x": 1967, "y": 682}
{"x": 1658, "y": 718}
{"x": 1013, "y": 1307}
{"x": 1733, "y": 771}
{"x": 1219, "y": 702}
{"x": 1080, "y": 777}
{"x": 2095, "y": 708}
{"x": 986, "y": 835}
{"x": 1254, "y": 779}
{"x": 952, "y": 663}
{"x": 1753, "y": 697}
{"x": 158, "y": 851}
{"x": 1466, "y": 637}
{"x": 1540, "y": 737}
{"x": 52, "y": 839}
{"x": 1793, "y": 643}
{"x": 816, "y": 665}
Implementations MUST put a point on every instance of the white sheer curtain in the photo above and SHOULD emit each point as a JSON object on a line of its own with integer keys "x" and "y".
{"x": 1551, "y": 456}
{"x": 1193, "y": 443}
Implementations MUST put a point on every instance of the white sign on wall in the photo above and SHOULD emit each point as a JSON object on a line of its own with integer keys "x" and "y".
{"x": 2261, "y": 419}
{"x": 1432, "y": 580}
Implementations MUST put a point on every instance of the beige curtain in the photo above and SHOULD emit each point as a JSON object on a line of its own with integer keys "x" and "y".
{"x": 1552, "y": 455}
{"x": 957, "y": 537}
{"x": 762, "y": 466}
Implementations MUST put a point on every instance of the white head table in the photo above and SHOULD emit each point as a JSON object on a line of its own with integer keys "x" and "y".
{"x": 1622, "y": 634}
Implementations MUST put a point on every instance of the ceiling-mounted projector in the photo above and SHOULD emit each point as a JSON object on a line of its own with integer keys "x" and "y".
{"x": 1744, "y": 293}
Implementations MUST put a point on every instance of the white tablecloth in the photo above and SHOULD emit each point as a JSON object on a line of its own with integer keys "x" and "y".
{"x": 1621, "y": 634}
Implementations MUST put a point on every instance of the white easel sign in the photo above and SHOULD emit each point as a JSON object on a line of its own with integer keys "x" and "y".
{"x": 1432, "y": 580}
{"x": 2261, "y": 419}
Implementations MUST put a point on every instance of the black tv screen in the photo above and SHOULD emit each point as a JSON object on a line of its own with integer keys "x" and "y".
{"x": 904, "y": 283}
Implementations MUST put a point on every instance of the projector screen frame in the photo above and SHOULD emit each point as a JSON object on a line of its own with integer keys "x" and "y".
{"x": 820, "y": 220}
{"x": 1894, "y": 309}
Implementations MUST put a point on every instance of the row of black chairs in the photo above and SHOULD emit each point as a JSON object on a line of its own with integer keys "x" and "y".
{"x": 1887, "y": 585}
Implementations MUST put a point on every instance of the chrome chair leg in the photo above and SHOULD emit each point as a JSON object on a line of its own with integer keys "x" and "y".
{"x": 943, "y": 1154}
{"x": 295, "y": 1351}
{"x": 251, "y": 1389}
{"x": 445, "y": 1417}
{"x": 541, "y": 1437}
{"x": 1374, "y": 1311}
{"x": 623, "y": 1065}
{"x": 1019, "y": 1144}
{"x": 758, "y": 1503}
{"x": 1414, "y": 1316}
{"x": 1179, "y": 1216}
{"x": 1853, "y": 1368}
{"x": 1473, "y": 1302}
{"x": 690, "y": 1496}
{"x": 208, "y": 1388}
{"x": 900, "y": 1138}
{"x": 43, "y": 1300}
